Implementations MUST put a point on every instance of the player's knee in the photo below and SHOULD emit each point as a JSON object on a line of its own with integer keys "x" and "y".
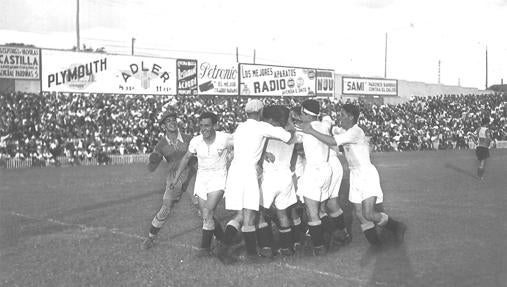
{"x": 208, "y": 223}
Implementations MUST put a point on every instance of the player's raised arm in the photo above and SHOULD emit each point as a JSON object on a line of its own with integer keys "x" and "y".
{"x": 307, "y": 128}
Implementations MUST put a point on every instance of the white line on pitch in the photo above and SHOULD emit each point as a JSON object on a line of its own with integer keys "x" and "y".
{"x": 86, "y": 228}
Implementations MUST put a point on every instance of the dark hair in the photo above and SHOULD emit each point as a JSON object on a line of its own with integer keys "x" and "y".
{"x": 296, "y": 110}
{"x": 208, "y": 115}
{"x": 351, "y": 110}
{"x": 485, "y": 121}
{"x": 312, "y": 106}
{"x": 168, "y": 114}
{"x": 277, "y": 113}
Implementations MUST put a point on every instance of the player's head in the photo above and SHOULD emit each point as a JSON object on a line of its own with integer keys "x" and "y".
{"x": 169, "y": 121}
{"x": 276, "y": 115}
{"x": 349, "y": 115}
{"x": 253, "y": 108}
{"x": 310, "y": 110}
{"x": 485, "y": 121}
{"x": 208, "y": 123}
{"x": 295, "y": 113}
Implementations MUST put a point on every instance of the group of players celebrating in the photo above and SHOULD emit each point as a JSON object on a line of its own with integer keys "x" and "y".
{"x": 281, "y": 158}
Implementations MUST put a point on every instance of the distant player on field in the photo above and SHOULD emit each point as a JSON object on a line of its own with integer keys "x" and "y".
{"x": 482, "y": 150}
{"x": 172, "y": 146}
{"x": 210, "y": 148}
{"x": 365, "y": 190}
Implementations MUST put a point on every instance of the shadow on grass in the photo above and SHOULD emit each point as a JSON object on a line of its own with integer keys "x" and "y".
{"x": 460, "y": 170}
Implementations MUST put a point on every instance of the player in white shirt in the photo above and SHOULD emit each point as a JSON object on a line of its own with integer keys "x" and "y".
{"x": 482, "y": 149}
{"x": 277, "y": 186}
{"x": 365, "y": 190}
{"x": 331, "y": 213}
{"x": 316, "y": 179}
{"x": 242, "y": 192}
{"x": 210, "y": 148}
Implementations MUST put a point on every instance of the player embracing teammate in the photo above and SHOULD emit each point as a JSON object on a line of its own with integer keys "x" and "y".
{"x": 261, "y": 175}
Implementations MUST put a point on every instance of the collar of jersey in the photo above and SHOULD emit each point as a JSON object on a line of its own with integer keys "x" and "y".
{"x": 180, "y": 138}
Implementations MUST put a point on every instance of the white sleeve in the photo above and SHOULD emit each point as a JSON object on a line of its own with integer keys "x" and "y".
{"x": 275, "y": 132}
{"x": 348, "y": 137}
{"x": 192, "y": 146}
{"x": 229, "y": 140}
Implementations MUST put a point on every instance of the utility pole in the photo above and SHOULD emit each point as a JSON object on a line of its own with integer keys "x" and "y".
{"x": 133, "y": 40}
{"x": 438, "y": 71}
{"x": 486, "y": 67}
{"x": 77, "y": 25}
{"x": 385, "y": 59}
{"x": 254, "y": 57}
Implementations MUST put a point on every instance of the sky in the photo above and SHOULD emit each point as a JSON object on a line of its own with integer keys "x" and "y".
{"x": 348, "y": 36}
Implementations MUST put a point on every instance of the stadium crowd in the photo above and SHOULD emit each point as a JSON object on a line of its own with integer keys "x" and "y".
{"x": 82, "y": 126}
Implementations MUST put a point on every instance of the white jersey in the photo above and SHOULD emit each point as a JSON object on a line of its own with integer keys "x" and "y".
{"x": 484, "y": 140}
{"x": 316, "y": 152}
{"x": 355, "y": 145}
{"x": 283, "y": 155}
{"x": 211, "y": 157}
{"x": 249, "y": 139}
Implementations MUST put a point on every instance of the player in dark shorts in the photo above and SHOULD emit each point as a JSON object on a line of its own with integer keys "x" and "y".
{"x": 482, "y": 150}
{"x": 172, "y": 146}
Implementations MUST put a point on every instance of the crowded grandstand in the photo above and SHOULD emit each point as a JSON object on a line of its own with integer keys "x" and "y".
{"x": 43, "y": 127}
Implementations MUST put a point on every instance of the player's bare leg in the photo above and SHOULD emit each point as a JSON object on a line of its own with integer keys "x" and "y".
{"x": 481, "y": 168}
{"x": 210, "y": 227}
{"x": 315, "y": 226}
{"x": 382, "y": 219}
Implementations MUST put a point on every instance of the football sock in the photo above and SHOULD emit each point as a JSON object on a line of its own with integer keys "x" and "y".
{"x": 265, "y": 235}
{"x": 370, "y": 233}
{"x": 218, "y": 232}
{"x": 207, "y": 235}
{"x": 250, "y": 239}
{"x": 230, "y": 232}
{"x": 153, "y": 231}
{"x": 338, "y": 220}
{"x": 298, "y": 230}
{"x": 286, "y": 240}
{"x": 316, "y": 233}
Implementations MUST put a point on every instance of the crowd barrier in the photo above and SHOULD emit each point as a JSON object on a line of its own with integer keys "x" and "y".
{"x": 66, "y": 161}
{"x": 501, "y": 144}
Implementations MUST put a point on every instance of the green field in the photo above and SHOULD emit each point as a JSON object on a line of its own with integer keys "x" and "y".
{"x": 82, "y": 226}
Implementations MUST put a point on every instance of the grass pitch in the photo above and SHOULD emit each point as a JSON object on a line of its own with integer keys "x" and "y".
{"x": 83, "y": 226}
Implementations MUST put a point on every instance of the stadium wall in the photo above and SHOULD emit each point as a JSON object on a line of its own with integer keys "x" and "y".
{"x": 409, "y": 89}
{"x": 65, "y": 161}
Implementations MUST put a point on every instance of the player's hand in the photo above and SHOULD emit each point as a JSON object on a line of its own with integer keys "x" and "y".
{"x": 304, "y": 127}
{"x": 269, "y": 157}
{"x": 172, "y": 185}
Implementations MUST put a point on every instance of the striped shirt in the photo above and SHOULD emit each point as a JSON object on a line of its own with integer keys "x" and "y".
{"x": 173, "y": 151}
